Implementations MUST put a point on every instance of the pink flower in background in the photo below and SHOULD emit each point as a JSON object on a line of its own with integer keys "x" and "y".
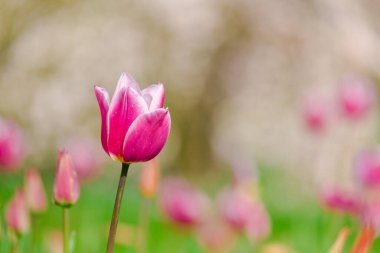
{"x": 244, "y": 213}
{"x": 259, "y": 224}
{"x": 235, "y": 207}
{"x": 66, "y": 184}
{"x": 367, "y": 168}
{"x": 34, "y": 191}
{"x": 86, "y": 157}
{"x": 54, "y": 242}
{"x": 12, "y": 146}
{"x": 356, "y": 97}
{"x": 215, "y": 236}
{"x": 315, "y": 112}
{"x": 17, "y": 213}
{"x": 181, "y": 203}
{"x": 135, "y": 126}
{"x": 341, "y": 201}
{"x": 149, "y": 178}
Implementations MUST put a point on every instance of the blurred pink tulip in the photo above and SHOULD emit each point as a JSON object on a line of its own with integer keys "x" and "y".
{"x": 54, "y": 242}
{"x": 17, "y": 213}
{"x": 367, "y": 168}
{"x": 259, "y": 224}
{"x": 181, "y": 203}
{"x": 235, "y": 207}
{"x": 66, "y": 184}
{"x": 315, "y": 112}
{"x": 34, "y": 191}
{"x": 86, "y": 158}
{"x": 356, "y": 97}
{"x": 341, "y": 201}
{"x": 135, "y": 126}
{"x": 149, "y": 179}
{"x": 215, "y": 236}
{"x": 12, "y": 146}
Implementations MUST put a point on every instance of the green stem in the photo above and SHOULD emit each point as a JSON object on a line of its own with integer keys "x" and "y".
{"x": 65, "y": 229}
{"x": 116, "y": 208}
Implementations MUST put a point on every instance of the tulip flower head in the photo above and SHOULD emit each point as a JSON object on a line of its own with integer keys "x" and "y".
{"x": 12, "y": 146}
{"x": 235, "y": 207}
{"x": 259, "y": 224}
{"x": 315, "y": 113}
{"x": 17, "y": 213}
{"x": 54, "y": 242}
{"x": 181, "y": 203}
{"x": 149, "y": 179}
{"x": 135, "y": 126}
{"x": 356, "y": 97}
{"x": 66, "y": 184}
{"x": 367, "y": 168}
{"x": 341, "y": 201}
{"x": 34, "y": 191}
{"x": 86, "y": 158}
{"x": 215, "y": 236}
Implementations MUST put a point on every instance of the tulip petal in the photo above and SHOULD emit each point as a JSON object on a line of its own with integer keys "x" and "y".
{"x": 154, "y": 96}
{"x": 124, "y": 109}
{"x": 147, "y": 136}
{"x": 103, "y": 101}
{"x": 126, "y": 80}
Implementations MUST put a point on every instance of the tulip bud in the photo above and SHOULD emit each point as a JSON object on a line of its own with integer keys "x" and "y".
{"x": 235, "y": 207}
{"x": 54, "y": 242}
{"x": 66, "y": 184}
{"x": 259, "y": 224}
{"x": 215, "y": 236}
{"x": 86, "y": 158}
{"x": 17, "y": 214}
{"x": 12, "y": 146}
{"x": 356, "y": 97}
{"x": 34, "y": 191}
{"x": 149, "y": 179}
{"x": 181, "y": 203}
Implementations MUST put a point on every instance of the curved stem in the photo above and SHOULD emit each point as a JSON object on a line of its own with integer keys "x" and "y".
{"x": 65, "y": 229}
{"x": 116, "y": 208}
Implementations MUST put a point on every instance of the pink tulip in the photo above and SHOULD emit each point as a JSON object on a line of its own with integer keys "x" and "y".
{"x": 86, "y": 158}
{"x": 54, "y": 242}
{"x": 181, "y": 203}
{"x": 315, "y": 113}
{"x": 367, "y": 168}
{"x": 342, "y": 201}
{"x": 235, "y": 207}
{"x": 149, "y": 179}
{"x": 135, "y": 126}
{"x": 356, "y": 97}
{"x": 66, "y": 184}
{"x": 17, "y": 214}
{"x": 215, "y": 236}
{"x": 12, "y": 146}
{"x": 34, "y": 191}
{"x": 259, "y": 224}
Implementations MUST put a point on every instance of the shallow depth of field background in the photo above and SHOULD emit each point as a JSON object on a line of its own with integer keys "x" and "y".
{"x": 234, "y": 73}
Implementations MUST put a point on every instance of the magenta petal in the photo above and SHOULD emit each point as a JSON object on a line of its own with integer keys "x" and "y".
{"x": 154, "y": 95}
{"x": 147, "y": 136}
{"x": 126, "y": 80}
{"x": 126, "y": 107}
{"x": 103, "y": 101}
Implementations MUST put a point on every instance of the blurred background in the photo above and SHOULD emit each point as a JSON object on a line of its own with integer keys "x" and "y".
{"x": 235, "y": 74}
